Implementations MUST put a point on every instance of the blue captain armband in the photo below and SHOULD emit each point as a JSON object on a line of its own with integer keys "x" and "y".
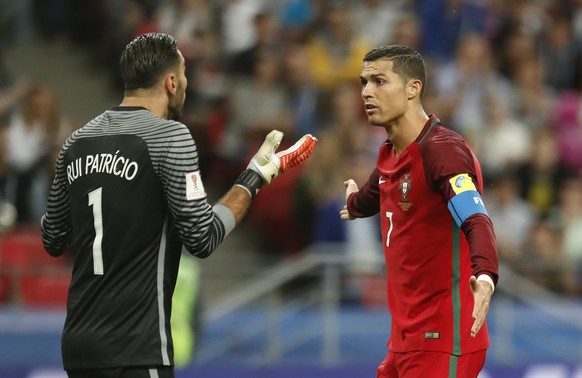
{"x": 467, "y": 200}
{"x": 465, "y": 204}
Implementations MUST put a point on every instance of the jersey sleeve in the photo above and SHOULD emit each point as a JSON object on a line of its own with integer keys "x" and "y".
{"x": 366, "y": 201}
{"x": 478, "y": 230}
{"x": 453, "y": 170}
{"x": 201, "y": 230}
{"x": 56, "y": 227}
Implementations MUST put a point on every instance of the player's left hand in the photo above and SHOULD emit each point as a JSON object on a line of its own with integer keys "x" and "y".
{"x": 351, "y": 187}
{"x": 269, "y": 163}
{"x": 482, "y": 292}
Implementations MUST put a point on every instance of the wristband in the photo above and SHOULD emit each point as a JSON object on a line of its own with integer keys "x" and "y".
{"x": 251, "y": 181}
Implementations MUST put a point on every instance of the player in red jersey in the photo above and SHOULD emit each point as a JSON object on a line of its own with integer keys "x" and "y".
{"x": 439, "y": 243}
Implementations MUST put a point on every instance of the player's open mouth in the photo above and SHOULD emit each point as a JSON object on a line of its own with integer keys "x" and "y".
{"x": 370, "y": 108}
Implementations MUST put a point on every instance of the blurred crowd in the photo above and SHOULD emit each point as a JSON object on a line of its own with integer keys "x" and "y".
{"x": 507, "y": 75}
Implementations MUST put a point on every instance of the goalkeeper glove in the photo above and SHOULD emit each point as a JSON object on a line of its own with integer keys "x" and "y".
{"x": 268, "y": 164}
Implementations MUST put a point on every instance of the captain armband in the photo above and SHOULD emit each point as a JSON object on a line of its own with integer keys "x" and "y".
{"x": 467, "y": 200}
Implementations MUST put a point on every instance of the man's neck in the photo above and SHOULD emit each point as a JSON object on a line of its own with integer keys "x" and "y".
{"x": 405, "y": 130}
{"x": 151, "y": 103}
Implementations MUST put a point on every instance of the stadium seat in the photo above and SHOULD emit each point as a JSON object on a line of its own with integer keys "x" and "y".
{"x": 28, "y": 274}
{"x": 22, "y": 249}
{"x": 44, "y": 290}
{"x": 5, "y": 288}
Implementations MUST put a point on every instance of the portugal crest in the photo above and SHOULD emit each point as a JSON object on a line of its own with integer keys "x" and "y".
{"x": 405, "y": 186}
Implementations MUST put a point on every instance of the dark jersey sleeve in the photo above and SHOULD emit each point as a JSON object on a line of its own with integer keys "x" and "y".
{"x": 446, "y": 156}
{"x": 366, "y": 201}
{"x": 56, "y": 227}
{"x": 199, "y": 228}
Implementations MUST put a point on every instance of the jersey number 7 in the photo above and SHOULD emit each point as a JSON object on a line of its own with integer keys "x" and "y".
{"x": 389, "y": 215}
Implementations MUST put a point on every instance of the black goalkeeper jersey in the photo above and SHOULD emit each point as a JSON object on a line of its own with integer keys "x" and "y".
{"x": 127, "y": 194}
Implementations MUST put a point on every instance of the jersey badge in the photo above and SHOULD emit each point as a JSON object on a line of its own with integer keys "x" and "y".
{"x": 432, "y": 335}
{"x": 194, "y": 186}
{"x": 462, "y": 183}
{"x": 405, "y": 186}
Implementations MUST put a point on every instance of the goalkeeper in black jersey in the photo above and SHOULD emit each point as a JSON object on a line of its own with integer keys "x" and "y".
{"x": 126, "y": 197}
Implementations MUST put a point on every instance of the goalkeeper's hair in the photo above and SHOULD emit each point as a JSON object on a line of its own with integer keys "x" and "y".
{"x": 147, "y": 58}
{"x": 407, "y": 63}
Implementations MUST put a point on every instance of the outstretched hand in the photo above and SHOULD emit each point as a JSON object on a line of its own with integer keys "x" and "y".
{"x": 351, "y": 187}
{"x": 269, "y": 163}
{"x": 297, "y": 153}
{"x": 482, "y": 292}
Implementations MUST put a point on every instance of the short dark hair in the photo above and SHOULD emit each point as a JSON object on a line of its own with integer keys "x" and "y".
{"x": 407, "y": 63}
{"x": 147, "y": 58}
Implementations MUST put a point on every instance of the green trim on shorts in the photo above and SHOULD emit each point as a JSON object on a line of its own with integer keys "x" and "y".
{"x": 453, "y": 366}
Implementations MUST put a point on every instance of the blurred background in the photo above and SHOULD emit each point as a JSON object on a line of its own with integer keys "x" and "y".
{"x": 294, "y": 291}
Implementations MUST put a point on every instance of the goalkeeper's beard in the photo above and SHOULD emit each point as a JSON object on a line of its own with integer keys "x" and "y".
{"x": 176, "y": 104}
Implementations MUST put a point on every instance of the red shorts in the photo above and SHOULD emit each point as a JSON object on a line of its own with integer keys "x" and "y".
{"x": 431, "y": 364}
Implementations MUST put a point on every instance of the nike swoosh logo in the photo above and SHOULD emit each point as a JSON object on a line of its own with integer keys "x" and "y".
{"x": 381, "y": 181}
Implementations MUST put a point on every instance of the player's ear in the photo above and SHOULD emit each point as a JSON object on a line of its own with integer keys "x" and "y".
{"x": 413, "y": 88}
{"x": 171, "y": 83}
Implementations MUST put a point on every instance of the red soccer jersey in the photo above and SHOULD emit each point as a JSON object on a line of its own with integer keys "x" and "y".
{"x": 428, "y": 258}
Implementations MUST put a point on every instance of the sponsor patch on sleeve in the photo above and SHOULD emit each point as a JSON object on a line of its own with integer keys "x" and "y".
{"x": 194, "y": 186}
{"x": 462, "y": 183}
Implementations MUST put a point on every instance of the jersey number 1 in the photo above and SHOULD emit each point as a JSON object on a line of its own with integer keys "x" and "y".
{"x": 95, "y": 201}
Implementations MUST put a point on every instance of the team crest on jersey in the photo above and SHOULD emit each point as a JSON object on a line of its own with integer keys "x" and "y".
{"x": 405, "y": 186}
{"x": 194, "y": 186}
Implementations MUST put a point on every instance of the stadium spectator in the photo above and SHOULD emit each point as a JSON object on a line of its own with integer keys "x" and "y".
{"x": 267, "y": 42}
{"x": 238, "y": 32}
{"x": 508, "y": 141}
{"x": 512, "y": 216}
{"x": 8, "y": 214}
{"x": 560, "y": 53}
{"x": 297, "y": 19}
{"x": 256, "y": 104}
{"x": 205, "y": 107}
{"x": 182, "y": 18}
{"x": 568, "y": 216}
{"x": 375, "y": 20}
{"x": 32, "y": 136}
{"x": 306, "y": 101}
{"x": 532, "y": 100}
{"x": 540, "y": 177}
{"x": 445, "y": 22}
{"x": 463, "y": 85}
{"x": 543, "y": 261}
{"x": 566, "y": 123}
{"x": 126, "y": 20}
{"x": 13, "y": 88}
{"x": 406, "y": 31}
{"x": 336, "y": 47}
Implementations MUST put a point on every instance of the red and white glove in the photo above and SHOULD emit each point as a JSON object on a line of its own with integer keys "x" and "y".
{"x": 269, "y": 163}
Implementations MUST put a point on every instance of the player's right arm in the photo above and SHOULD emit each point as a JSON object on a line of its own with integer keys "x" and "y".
{"x": 363, "y": 202}
{"x": 56, "y": 228}
{"x": 265, "y": 165}
{"x": 203, "y": 227}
